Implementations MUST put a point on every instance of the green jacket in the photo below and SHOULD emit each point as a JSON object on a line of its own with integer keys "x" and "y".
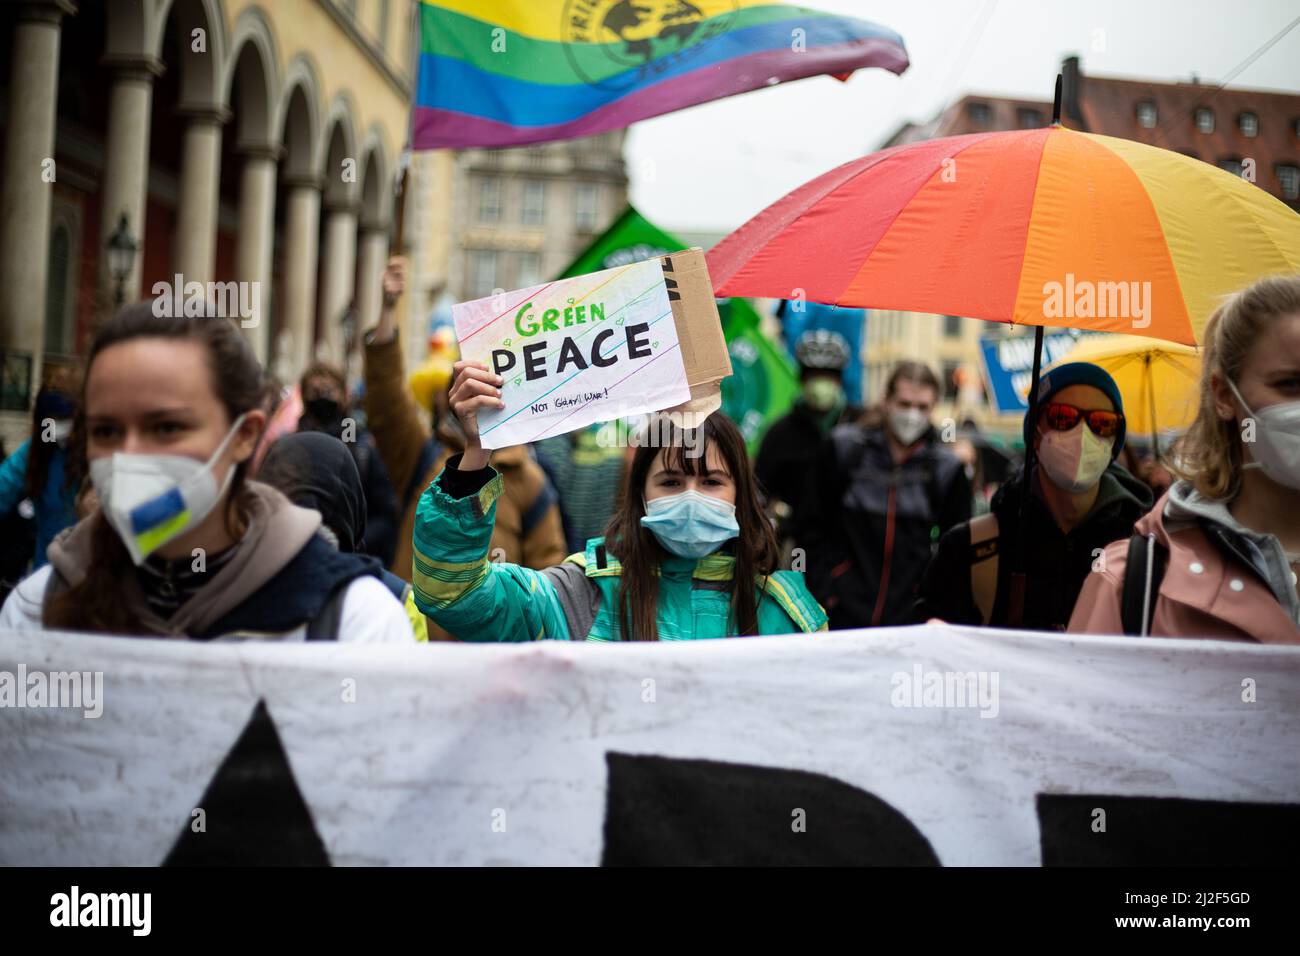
{"x": 480, "y": 600}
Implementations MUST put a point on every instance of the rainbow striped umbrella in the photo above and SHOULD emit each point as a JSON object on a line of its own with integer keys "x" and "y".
{"x": 1039, "y": 227}
{"x": 510, "y": 72}
{"x": 1045, "y": 227}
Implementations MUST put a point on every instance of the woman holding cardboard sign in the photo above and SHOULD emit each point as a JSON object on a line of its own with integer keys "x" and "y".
{"x": 687, "y": 555}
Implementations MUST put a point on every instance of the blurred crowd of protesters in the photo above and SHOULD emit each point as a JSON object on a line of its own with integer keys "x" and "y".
{"x": 172, "y": 489}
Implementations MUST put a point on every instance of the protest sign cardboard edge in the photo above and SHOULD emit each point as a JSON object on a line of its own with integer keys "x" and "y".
{"x": 699, "y": 330}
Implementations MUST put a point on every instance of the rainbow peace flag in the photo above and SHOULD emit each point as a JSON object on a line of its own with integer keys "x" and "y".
{"x": 511, "y": 72}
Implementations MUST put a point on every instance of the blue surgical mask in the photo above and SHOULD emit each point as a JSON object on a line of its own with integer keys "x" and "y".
{"x": 691, "y": 524}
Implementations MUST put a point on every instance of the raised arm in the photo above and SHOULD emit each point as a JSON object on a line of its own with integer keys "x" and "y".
{"x": 396, "y": 421}
{"x": 456, "y": 585}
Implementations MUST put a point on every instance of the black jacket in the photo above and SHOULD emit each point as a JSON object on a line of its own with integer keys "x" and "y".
{"x": 792, "y": 441}
{"x": 380, "y": 536}
{"x": 868, "y": 525}
{"x": 1058, "y": 563}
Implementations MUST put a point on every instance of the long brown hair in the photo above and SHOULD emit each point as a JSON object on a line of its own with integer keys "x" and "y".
{"x": 639, "y": 551}
{"x": 96, "y": 603}
{"x": 1209, "y": 452}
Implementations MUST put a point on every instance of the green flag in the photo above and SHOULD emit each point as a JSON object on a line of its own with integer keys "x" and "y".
{"x": 764, "y": 383}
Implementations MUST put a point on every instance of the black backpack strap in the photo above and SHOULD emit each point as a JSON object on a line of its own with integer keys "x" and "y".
{"x": 325, "y": 625}
{"x": 1143, "y": 573}
{"x": 985, "y": 542}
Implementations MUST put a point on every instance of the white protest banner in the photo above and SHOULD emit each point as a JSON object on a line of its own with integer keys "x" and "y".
{"x": 926, "y": 745}
{"x": 575, "y": 351}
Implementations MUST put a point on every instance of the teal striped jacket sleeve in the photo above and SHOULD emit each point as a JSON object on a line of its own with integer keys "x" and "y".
{"x": 458, "y": 587}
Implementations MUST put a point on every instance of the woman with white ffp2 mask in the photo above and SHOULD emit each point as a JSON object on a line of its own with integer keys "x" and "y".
{"x": 1223, "y": 544}
{"x": 182, "y": 543}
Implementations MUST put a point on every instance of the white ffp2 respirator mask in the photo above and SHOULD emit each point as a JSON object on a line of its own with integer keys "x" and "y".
{"x": 1276, "y": 448}
{"x": 153, "y": 499}
{"x": 1074, "y": 460}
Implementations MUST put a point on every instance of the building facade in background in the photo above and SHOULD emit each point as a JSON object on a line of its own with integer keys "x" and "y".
{"x": 234, "y": 141}
{"x": 521, "y": 215}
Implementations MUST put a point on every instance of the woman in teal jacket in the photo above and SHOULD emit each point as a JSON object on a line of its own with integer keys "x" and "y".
{"x": 689, "y": 553}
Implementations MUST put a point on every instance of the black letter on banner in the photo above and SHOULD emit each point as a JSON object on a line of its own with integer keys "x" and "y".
{"x": 502, "y": 359}
{"x": 256, "y": 815}
{"x": 661, "y": 811}
{"x": 1166, "y": 831}
{"x": 596, "y": 358}
{"x": 637, "y": 349}
{"x": 534, "y": 364}
{"x": 569, "y": 352}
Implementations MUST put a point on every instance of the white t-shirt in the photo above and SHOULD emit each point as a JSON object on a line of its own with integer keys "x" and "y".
{"x": 370, "y": 613}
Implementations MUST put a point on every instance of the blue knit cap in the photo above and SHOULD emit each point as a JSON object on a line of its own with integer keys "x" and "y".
{"x": 1079, "y": 373}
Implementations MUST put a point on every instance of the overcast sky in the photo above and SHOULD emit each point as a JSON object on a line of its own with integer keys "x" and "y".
{"x": 712, "y": 167}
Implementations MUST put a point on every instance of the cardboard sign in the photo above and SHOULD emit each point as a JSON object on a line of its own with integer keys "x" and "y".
{"x": 575, "y": 351}
{"x": 704, "y": 346}
{"x": 921, "y": 745}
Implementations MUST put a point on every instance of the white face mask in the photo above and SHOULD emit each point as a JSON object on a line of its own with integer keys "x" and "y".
{"x": 1074, "y": 460}
{"x": 1276, "y": 448}
{"x": 153, "y": 499}
{"x": 908, "y": 424}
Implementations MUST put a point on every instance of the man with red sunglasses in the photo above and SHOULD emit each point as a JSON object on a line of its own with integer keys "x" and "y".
{"x": 1080, "y": 501}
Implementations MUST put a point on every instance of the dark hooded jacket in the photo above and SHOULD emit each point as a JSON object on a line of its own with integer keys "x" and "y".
{"x": 379, "y": 537}
{"x": 868, "y": 524}
{"x": 794, "y": 439}
{"x": 1058, "y": 563}
{"x": 316, "y": 470}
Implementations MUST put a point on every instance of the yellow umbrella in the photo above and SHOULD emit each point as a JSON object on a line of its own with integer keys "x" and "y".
{"x": 1158, "y": 380}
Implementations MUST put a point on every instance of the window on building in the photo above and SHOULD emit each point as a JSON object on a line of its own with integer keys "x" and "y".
{"x": 528, "y": 271}
{"x": 482, "y": 273}
{"x": 1288, "y": 177}
{"x": 1231, "y": 165}
{"x": 1029, "y": 119}
{"x": 534, "y": 205}
{"x": 952, "y": 326}
{"x": 1205, "y": 120}
{"x": 1147, "y": 115}
{"x": 586, "y": 205}
{"x": 1248, "y": 123}
{"x": 56, "y": 291}
{"x": 489, "y": 199}
{"x": 979, "y": 113}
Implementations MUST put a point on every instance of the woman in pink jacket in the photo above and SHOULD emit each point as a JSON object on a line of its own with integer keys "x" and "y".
{"x": 1219, "y": 553}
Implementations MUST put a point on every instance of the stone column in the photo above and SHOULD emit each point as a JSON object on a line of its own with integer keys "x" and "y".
{"x": 297, "y": 340}
{"x": 372, "y": 257}
{"x": 255, "y": 243}
{"x": 126, "y": 163}
{"x": 196, "y": 213}
{"x": 29, "y": 172}
{"x": 339, "y": 268}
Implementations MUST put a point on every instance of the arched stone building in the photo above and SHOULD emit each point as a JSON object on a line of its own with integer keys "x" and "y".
{"x": 248, "y": 142}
